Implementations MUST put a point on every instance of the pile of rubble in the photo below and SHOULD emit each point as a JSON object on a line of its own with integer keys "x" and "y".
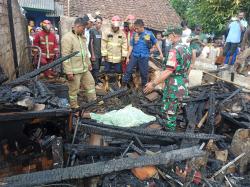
{"x": 30, "y": 96}
{"x": 52, "y": 145}
{"x": 209, "y": 148}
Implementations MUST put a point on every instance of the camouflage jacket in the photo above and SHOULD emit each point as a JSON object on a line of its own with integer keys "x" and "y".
{"x": 178, "y": 61}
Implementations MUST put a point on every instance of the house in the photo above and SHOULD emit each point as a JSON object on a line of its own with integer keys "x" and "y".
{"x": 157, "y": 14}
{"x": 39, "y": 10}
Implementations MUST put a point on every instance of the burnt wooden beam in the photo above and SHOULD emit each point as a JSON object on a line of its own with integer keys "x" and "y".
{"x": 93, "y": 127}
{"x": 94, "y": 150}
{"x": 231, "y": 96}
{"x": 190, "y": 111}
{"x": 211, "y": 112}
{"x": 123, "y": 135}
{"x": 36, "y": 72}
{"x": 231, "y": 119}
{"x": 34, "y": 114}
{"x": 206, "y": 97}
{"x": 100, "y": 168}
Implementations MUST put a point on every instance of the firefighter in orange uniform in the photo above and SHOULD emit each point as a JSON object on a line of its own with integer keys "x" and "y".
{"x": 114, "y": 49}
{"x": 46, "y": 40}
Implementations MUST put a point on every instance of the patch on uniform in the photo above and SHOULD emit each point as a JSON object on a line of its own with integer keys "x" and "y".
{"x": 120, "y": 37}
{"x": 136, "y": 37}
{"x": 147, "y": 37}
{"x": 171, "y": 62}
{"x": 110, "y": 36}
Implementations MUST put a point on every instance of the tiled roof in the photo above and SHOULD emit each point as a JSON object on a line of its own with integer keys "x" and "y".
{"x": 157, "y": 14}
{"x": 43, "y": 5}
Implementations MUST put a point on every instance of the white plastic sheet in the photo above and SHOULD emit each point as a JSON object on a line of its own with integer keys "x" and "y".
{"x": 126, "y": 117}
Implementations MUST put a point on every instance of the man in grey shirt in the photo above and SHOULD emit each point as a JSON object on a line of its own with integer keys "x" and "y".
{"x": 95, "y": 47}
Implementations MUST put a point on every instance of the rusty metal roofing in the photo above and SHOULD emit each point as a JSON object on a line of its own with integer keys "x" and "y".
{"x": 57, "y": 12}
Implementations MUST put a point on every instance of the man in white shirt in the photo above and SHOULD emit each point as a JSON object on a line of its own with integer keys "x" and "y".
{"x": 88, "y": 18}
{"x": 186, "y": 32}
{"x": 233, "y": 40}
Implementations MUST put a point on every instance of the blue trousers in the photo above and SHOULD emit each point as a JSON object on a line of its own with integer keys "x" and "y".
{"x": 142, "y": 64}
{"x": 108, "y": 67}
{"x": 233, "y": 58}
{"x": 231, "y": 49}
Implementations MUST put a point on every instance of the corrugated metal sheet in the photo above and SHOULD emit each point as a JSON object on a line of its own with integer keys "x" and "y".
{"x": 57, "y": 12}
{"x": 45, "y": 5}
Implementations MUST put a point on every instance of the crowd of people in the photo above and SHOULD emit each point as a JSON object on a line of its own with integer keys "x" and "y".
{"x": 231, "y": 48}
{"x": 237, "y": 44}
{"x": 123, "y": 50}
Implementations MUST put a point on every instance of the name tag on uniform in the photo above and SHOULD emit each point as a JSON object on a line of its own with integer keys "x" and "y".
{"x": 98, "y": 36}
{"x": 136, "y": 37}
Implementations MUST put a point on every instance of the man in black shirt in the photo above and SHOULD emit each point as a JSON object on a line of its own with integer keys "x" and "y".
{"x": 95, "y": 47}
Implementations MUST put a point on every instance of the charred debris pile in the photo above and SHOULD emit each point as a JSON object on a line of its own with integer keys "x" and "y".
{"x": 43, "y": 142}
{"x": 209, "y": 148}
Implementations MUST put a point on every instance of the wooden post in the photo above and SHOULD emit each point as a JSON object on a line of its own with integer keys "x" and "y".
{"x": 12, "y": 33}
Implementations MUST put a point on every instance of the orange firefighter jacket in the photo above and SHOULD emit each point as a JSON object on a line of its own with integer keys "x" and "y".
{"x": 114, "y": 45}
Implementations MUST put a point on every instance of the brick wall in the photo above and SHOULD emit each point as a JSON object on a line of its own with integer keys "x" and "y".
{"x": 6, "y": 51}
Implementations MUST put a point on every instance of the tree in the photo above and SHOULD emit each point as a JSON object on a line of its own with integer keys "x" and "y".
{"x": 181, "y": 6}
{"x": 212, "y": 15}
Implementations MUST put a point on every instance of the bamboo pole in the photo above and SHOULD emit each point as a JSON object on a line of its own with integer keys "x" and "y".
{"x": 230, "y": 82}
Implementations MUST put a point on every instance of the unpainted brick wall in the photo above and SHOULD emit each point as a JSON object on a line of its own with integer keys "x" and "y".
{"x": 6, "y": 51}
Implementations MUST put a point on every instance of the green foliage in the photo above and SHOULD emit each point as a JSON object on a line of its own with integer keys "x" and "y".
{"x": 245, "y": 6}
{"x": 212, "y": 15}
{"x": 181, "y": 6}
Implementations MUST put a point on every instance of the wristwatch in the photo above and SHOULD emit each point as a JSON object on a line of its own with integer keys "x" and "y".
{"x": 153, "y": 84}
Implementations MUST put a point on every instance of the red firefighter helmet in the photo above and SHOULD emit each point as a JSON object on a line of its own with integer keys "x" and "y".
{"x": 45, "y": 22}
{"x": 116, "y": 21}
{"x": 46, "y": 25}
{"x": 130, "y": 18}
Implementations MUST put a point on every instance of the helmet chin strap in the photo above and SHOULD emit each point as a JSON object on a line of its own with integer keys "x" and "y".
{"x": 45, "y": 28}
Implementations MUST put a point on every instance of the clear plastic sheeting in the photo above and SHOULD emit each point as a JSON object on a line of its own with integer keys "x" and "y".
{"x": 126, "y": 117}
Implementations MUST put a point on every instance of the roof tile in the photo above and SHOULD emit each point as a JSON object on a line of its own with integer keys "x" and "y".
{"x": 157, "y": 14}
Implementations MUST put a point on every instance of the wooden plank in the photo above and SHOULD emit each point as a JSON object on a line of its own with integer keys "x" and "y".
{"x": 34, "y": 114}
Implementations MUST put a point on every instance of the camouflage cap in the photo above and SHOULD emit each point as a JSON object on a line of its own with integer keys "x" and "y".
{"x": 173, "y": 30}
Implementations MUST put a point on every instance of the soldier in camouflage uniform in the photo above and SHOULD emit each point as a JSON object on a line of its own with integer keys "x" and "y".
{"x": 175, "y": 76}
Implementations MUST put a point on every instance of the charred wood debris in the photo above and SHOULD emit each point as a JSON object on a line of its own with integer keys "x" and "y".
{"x": 44, "y": 143}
